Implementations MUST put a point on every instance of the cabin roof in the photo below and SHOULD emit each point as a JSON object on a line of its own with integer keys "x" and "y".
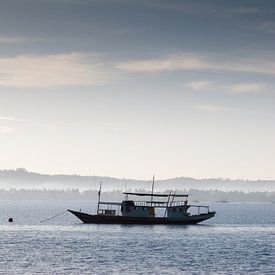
{"x": 110, "y": 202}
{"x": 156, "y": 195}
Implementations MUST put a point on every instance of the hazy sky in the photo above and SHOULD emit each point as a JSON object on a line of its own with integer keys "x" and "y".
{"x": 135, "y": 88}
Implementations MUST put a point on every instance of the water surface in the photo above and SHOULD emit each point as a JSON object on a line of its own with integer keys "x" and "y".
{"x": 239, "y": 240}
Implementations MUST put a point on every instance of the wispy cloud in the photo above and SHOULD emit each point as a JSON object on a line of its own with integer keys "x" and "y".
{"x": 245, "y": 10}
{"x": 210, "y": 108}
{"x": 119, "y": 130}
{"x": 199, "y": 85}
{"x": 196, "y": 7}
{"x": 12, "y": 40}
{"x": 191, "y": 62}
{"x": 268, "y": 27}
{"x": 236, "y": 88}
{"x": 5, "y": 129}
{"x": 114, "y": 128}
{"x": 172, "y": 63}
{"x": 46, "y": 71}
{"x": 9, "y": 118}
{"x": 242, "y": 88}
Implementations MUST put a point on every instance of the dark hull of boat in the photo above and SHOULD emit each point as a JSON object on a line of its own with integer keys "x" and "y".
{"x": 104, "y": 219}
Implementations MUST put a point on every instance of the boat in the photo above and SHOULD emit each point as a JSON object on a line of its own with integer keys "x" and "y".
{"x": 174, "y": 210}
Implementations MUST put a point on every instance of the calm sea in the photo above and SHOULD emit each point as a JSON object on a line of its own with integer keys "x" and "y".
{"x": 239, "y": 240}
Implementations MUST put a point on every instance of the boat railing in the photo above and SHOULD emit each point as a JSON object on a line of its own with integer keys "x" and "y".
{"x": 159, "y": 204}
{"x": 110, "y": 206}
{"x": 149, "y": 203}
{"x": 177, "y": 203}
{"x": 199, "y": 207}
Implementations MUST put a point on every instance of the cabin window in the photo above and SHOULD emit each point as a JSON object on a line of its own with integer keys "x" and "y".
{"x": 128, "y": 203}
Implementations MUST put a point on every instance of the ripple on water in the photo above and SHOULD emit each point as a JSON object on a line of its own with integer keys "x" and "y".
{"x": 68, "y": 247}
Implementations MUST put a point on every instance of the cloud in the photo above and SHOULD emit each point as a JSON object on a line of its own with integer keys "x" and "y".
{"x": 12, "y": 40}
{"x": 46, "y": 71}
{"x": 119, "y": 129}
{"x": 199, "y": 85}
{"x": 5, "y": 129}
{"x": 196, "y": 7}
{"x": 8, "y": 118}
{"x": 172, "y": 63}
{"x": 242, "y": 88}
{"x": 237, "y": 88}
{"x": 191, "y": 62}
{"x": 268, "y": 27}
{"x": 210, "y": 108}
{"x": 244, "y": 10}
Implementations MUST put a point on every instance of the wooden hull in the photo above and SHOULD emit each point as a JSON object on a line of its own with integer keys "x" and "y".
{"x": 104, "y": 219}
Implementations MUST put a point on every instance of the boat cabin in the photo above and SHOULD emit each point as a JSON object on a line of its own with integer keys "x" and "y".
{"x": 177, "y": 211}
{"x": 173, "y": 209}
{"x": 130, "y": 209}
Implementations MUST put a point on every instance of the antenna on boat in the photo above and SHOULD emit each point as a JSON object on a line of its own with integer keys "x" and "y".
{"x": 126, "y": 196}
{"x": 124, "y": 184}
{"x": 99, "y": 194}
{"x": 153, "y": 183}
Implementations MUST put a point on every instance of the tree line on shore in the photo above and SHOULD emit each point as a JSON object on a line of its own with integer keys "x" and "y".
{"x": 22, "y": 179}
{"x": 196, "y": 195}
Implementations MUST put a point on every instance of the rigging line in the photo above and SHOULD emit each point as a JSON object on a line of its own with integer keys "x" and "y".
{"x": 59, "y": 214}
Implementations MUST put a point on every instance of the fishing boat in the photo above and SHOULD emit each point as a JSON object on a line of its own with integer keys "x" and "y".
{"x": 153, "y": 210}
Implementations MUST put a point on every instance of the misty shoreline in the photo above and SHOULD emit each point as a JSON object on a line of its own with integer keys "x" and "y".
{"x": 195, "y": 196}
{"x": 22, "y": 185}
{"x": 22, "y": 179}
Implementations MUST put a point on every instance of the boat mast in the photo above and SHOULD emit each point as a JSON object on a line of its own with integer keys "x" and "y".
{"x": 153, "y": 183}
{"x": 99, "y": 194}
{"x": 173, "y": 196}
{"x": 165, "y": 212}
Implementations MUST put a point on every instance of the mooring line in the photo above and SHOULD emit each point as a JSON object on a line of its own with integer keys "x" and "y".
{"x": 59, "y": 214}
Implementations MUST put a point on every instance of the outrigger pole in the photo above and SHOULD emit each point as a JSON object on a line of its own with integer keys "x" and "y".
{"x": 99, "y": 194}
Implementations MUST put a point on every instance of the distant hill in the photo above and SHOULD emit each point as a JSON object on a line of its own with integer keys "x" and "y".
{"x": 21, "y": 178}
